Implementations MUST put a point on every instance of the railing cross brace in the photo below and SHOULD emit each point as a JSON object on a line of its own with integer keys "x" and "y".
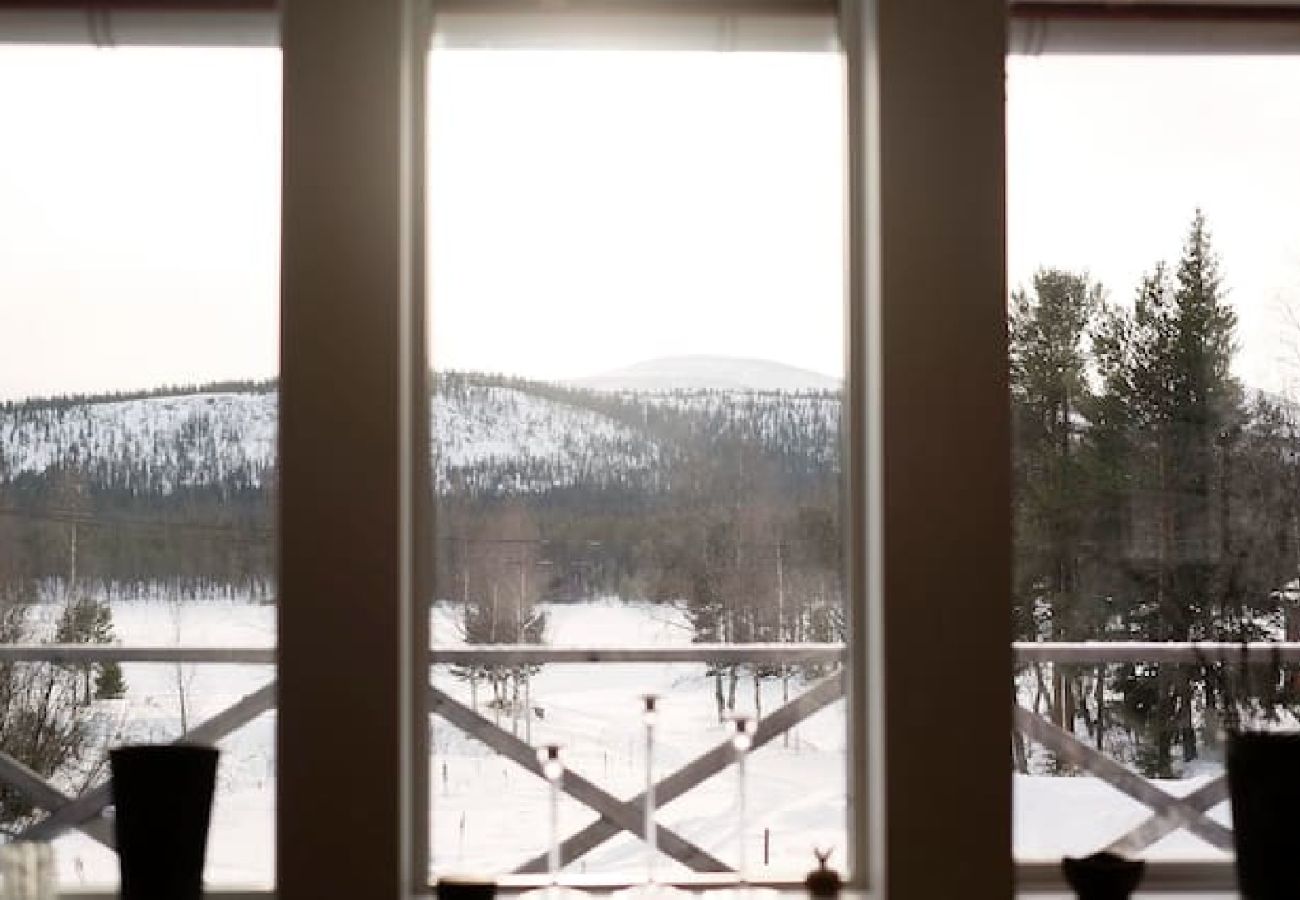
{"x": 76, "y": 812}
{"x": 694, "y": 773}
{"x": 623, "y": 816}
{"x": 1204, "y": 798}
{"x": 1177, "y": 812}
{"x": 46, "y": 796}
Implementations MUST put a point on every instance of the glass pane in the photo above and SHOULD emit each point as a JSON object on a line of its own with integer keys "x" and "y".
{"x": 636, "y": 283}
{"x": 139, "y": 248}
{"x": 1154, "y": 362}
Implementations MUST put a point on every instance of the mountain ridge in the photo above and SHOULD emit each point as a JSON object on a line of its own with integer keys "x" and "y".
{"x": 491, "y": 435}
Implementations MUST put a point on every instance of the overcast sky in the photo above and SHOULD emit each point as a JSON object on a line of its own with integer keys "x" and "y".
{"x": 1108, "y": 159}
{"x": 590, "y": 210}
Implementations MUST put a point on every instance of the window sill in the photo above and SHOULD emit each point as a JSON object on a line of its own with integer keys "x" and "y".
{"x": 1166, "y": 880}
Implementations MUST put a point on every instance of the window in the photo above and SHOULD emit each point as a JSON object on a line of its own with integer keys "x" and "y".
{"x": 1151, "y": 271}
{"x": 636, "y": 315}
{"x": 925, "y": 381}
{"x": 138, "y": 265}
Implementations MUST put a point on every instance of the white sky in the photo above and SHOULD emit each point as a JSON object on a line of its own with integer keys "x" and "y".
{"x": 591, "y": 210}
{"x": 1108, "y": 158}
{"x": 139, "y": 218}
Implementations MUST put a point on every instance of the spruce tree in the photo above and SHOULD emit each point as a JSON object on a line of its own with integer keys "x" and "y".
{"x": 1049, "y": 385}
{"x": 88, "y": 621}
{"x": 109, "y": 683}
{"x": 1176, "y": 415}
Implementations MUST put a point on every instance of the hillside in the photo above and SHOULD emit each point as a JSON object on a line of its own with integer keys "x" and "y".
{"x": 180, "y": 486}
{"x": 490, "y": 436}
{"x": 146, "y": 445}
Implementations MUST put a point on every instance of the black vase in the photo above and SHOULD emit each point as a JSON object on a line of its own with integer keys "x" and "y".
{"x": 1264, "y": 788}
{"x": 163, "y": 798}
{"x": 1103, "y": 876}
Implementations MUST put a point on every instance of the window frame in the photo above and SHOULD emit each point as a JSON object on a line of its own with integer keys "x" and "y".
{"x": 352, "y": 290}
{"x": 926, "y": 172}
{"x": 929, "y": 389}
{"x": 926, "y": 417}
{"x": 1090, "y": 28}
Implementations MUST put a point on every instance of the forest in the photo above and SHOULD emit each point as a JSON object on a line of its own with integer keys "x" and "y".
{"x": 1155, "y": 499}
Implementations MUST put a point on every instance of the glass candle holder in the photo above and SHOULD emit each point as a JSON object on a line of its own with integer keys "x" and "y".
{"x": 650, "y": 716}
{"x": 548, "y": 756}
{"x": 742, "y": 740}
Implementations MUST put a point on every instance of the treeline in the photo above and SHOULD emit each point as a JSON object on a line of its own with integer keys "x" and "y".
{"x": 726, "y": 462}
{"x": 746, "y": 569}
{"x": 1155, "y": 499}
{"x": 64, "y": 525}
{"x": 67, "y": 401}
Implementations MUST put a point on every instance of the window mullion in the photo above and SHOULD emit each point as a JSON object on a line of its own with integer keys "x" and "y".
{"x": 931, "y": 418}
{"x": 345, "y": 603}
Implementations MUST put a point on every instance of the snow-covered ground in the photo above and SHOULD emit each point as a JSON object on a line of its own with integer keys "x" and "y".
{"x": 594, "y": 712}
{"x": 241, "y": 845}
{"x": 489, "y": 816}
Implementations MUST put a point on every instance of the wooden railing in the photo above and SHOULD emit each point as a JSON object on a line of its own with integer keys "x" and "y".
{"x": 1168, "y": 812}
{"x": 85, "y": 812}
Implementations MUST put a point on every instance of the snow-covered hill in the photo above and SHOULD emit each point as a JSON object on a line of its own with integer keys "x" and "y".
{"x": 153, "y": 444}
{"x": 709, "y": 373}
{"x": 157, "y": 444}
{"x": 490, "y": 435}
{"x": 496, "y": 434}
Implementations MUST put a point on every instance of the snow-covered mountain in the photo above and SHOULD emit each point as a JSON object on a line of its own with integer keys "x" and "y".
{"x": 146, "y": 445}
{"x": 504, "y": 439}
{"x": 674, "y": 373}
{"x": 490, "y": 435}
{"x": 156, "y": 444}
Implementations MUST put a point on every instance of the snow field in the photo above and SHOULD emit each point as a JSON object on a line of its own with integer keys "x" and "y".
{"x": 490, "y": 816}
{"x": 594, "y": 712}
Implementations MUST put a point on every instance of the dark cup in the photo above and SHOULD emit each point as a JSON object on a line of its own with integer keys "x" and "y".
{"x": 163, "y": 800}
{"x": 465, "y": 889}
{"x": 1103, "y": 876}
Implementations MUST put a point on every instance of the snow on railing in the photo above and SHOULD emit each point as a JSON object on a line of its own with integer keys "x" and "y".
{"x": 503, "y": 654}
{"x": 1069, "y": 652}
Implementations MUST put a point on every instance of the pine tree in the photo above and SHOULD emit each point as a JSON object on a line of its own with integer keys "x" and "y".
{"x": 87, "y": 621}
{"x": 1049, "y": 386}
{"x": 109, "y": 683}
{"x": 1171, "y": 418}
